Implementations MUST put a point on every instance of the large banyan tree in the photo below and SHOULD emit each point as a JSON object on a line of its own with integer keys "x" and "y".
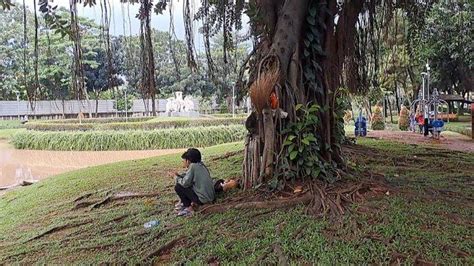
{"x": 307, "y": 55}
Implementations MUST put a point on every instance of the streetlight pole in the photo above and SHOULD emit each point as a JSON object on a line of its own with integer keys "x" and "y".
{"x": 18, "y": 103}
{"x": 126, "y": 106}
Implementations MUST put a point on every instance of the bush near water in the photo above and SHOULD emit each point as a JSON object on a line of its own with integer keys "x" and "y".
{"x": 129, "y": 139}
{"x": 48, "y": 126}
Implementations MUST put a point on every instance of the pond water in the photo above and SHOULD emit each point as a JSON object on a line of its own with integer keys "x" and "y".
{"x": 32, "y": 165}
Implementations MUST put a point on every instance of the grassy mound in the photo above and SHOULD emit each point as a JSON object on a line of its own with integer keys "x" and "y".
{"x": 429, "y": 220}
{"x": 129, "y": 140}
{"x": 463, "y": 128}
{"x": 147, "y": 125}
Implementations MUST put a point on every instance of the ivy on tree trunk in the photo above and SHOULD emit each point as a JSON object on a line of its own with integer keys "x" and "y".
{"x": 302, "y": 40}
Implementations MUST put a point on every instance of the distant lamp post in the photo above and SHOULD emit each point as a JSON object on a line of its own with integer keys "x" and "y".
{"x": 125, "y": 85}
{"x": 18, "y": 103}
{"x": 126, "y": 106}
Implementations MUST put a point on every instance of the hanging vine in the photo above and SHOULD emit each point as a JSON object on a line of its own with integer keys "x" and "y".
{"x": 148, "y": 61}
{"x": 207, "y": 43}
{"x": 108, "y": 49}
{"x": 37, "y": 84}
{"x": 188, "y": 29}
{"x": 25, "y": 51}
{"x": 172, "y": 39}
{"x": 78, "y": 82}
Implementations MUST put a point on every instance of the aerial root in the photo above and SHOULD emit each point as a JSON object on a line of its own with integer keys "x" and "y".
{"x": 120, "y": 196}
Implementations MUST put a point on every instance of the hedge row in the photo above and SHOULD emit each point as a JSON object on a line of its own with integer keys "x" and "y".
{"x": 10, "y": 124}
{"x": 98, "y": 120}
{"x": 129, "y": 140}
{"x": 135, "y": 125}
{"x": 460, "y": 128}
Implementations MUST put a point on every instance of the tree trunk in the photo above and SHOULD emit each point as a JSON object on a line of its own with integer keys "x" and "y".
{"x": 390, "y": 110}
{"x": 147, "y": 85}
{"x": 301, "y": 42}
{"x": 37, "y": 85}
{"x": 397, "y": 97}
{"x": 151, "y": 64}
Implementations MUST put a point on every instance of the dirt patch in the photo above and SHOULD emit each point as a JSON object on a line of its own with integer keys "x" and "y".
{"x": 449, "y": 141}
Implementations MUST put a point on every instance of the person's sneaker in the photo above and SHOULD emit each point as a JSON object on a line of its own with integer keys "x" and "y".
{"x": 185, "y": 212}
{"x": 178, "y": 206}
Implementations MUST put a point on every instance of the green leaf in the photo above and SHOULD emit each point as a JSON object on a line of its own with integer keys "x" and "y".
{"x": 311, "y": 21}
{"x": 298, "y": 106}
{"x": 287, "y": 142}
{"x": 306, "y": 53}
{"x": 312, "y": 11}
{"x": 315, "y": 173}
{"x": 291, "y": 137}
{"x": 311, "y": 137}
{"x": 293, "y": 155}
{"x": 314, "y": 108}
{"x": 305, "y": 141}
{"x": 291, "y": 147}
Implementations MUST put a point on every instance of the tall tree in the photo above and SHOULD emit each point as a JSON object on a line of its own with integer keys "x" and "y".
{"x": 148, "y": 60}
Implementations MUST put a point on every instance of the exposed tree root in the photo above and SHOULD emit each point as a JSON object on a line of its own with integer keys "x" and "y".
{"x": 282, "y": 260}
{"x": 102, "y": 202}
{"x": 57, "y": 229}
{"x": 262, "y": 256}
{"x": 226, "y": 155}
{"x": 21, "y": 184}
{"x": 84, "y": 196}
{"x": 164, "y": 248}
{"x": 108, "y": 199}
{"x": 333, "y": 200}
{"x": 285, "y": 203}
{"x": 321, "y": 198}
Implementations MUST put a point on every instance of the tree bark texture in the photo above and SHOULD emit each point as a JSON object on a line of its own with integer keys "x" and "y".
{"x": 284, "y": 27}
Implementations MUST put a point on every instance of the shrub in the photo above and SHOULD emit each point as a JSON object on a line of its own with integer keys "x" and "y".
{"x": 178, "y": 123}
{"x": 404, "y": 119}
{"x": 99, "y": 120}
{"x": 129, "y": 140}
{"x": 60, "y": 127}
{"x": 378, "y": 122}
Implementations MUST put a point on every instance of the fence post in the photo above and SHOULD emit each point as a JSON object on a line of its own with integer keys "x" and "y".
{"x": 472, "y": 120}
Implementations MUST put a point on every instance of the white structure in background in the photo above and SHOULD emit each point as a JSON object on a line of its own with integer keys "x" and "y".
{"x": 180, "y": 107}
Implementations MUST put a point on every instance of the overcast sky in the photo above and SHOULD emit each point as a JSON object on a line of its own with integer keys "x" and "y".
{"x": 119, "y": 12}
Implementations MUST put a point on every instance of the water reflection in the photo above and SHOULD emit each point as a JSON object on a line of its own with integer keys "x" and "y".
{"x": 30, "y": 165}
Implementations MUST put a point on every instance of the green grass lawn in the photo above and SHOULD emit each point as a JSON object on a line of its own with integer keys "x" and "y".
{"x": 6, "y": 134}
{"x": 464, "y": 128}
{"x": 9, "y": 124}
{"x": 429, "y": 219}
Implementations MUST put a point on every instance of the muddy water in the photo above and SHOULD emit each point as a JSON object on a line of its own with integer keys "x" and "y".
{"x": 31, "y": 165}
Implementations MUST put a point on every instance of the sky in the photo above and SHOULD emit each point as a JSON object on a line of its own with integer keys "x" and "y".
{"x": 119, "y": 12}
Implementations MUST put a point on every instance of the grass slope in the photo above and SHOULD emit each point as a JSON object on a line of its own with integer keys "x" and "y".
{"x": 430, "y": 221}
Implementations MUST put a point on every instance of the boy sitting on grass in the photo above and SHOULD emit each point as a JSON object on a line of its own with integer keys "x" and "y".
{"x": 195, "y": 187}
